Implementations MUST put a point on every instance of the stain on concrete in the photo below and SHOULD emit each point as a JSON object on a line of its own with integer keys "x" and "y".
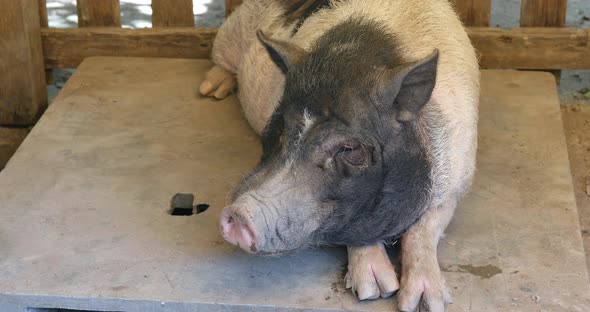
{"x": 485, "y": 271}
{"x": 217, "y": 243}
{"x": 119, "y": 288}
{"x": 339, "y": 284}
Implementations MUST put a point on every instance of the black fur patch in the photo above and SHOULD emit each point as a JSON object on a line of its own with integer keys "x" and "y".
{"x": 335, "y": 83}
{"x": 297, "y": 11}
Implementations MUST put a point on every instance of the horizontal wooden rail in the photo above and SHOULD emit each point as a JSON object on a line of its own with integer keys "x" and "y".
{"x": 523, "y": 48}
{"x": 532, "y": 48}
{"x": 65, "y": 48}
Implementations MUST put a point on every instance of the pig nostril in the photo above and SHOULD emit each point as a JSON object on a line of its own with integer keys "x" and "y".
{"x": 237, "y": 230}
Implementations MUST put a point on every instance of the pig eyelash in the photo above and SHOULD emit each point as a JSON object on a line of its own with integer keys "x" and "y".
{"x": 346, "y": 146}
{"x": 354, "y": 156}
{"x": 354, "y": 153}
{"x": 347, "y": 149}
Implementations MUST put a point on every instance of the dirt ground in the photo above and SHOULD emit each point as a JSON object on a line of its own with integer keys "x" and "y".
{"x": 576, "y": 120}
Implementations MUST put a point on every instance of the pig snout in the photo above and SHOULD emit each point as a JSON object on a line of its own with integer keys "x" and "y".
{"x": 267, "y": 225}
{"x": 237, "y": 228}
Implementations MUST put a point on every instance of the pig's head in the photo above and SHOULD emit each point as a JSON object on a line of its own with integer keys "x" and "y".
{"x": 343, "y": 160}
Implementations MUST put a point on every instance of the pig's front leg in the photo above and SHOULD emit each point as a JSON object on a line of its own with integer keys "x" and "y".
{"x": 370, "y": 272}
{"x": 219, "y": 83}
{"x": 422, "y": 282}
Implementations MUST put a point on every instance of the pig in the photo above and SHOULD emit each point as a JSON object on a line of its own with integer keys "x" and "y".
{"x": 367, "y": 112}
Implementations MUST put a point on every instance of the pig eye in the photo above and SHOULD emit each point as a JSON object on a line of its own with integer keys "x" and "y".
{"x": 352, "y": 152}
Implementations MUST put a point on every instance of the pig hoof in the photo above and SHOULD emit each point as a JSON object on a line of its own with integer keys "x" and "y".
{"x": 423, "y": 288}
{"x": 370, "y": 272}
{"x": 219, "y": 83}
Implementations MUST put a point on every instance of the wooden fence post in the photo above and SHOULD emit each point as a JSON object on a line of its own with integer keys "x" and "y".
{"x": 23, "y": 94}
{"x": 44, "y": 24}
{"x": 544, "y": 13}
{"x": 474, "y": 12}
{"x": 98, "y": 13}
{"x": 230, "y": 6}
{"x": 10, "y": 140}
{"x": 172, "y": 13}
{"x": 43, "y": 13}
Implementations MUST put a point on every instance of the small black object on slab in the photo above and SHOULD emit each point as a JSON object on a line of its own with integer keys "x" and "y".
{"x": 182, "y": 204}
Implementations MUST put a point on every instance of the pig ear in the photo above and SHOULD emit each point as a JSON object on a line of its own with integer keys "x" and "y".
{"x": 411, "y": 86}
{"x": 284, "y": 54}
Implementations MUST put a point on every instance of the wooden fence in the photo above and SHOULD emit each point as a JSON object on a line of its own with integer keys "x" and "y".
{"x": 541, "y": 42}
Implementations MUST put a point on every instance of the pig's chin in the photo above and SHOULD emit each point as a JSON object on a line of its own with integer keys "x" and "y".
{"x": 263, "y": 250}
{"x": 277, "y": 252}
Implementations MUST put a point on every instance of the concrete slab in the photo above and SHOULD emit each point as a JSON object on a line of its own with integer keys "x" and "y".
{"x": 576, "y": 119}
{"x": 84, "y": 223}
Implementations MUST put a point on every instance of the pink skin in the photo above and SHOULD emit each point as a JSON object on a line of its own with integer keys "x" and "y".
{"x": 236, "y": 229}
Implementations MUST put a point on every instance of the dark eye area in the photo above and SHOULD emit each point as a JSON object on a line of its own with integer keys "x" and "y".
{"x": 352, "y": 152}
